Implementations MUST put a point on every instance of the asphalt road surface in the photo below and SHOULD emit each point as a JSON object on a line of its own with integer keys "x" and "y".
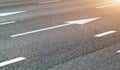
{"x": 59, "y": 35}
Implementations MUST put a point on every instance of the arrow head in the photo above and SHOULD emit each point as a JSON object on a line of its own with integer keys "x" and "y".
{"x": 83, "y": 21}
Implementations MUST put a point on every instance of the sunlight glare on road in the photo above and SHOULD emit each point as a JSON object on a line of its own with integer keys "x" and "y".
{"x": 114, "y": 1}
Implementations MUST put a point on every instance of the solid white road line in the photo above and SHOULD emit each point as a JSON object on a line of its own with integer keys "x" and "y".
{"x": 83, "y": 21}
{"x": 12, "y": 61}
{"x": 105, "y": 33}
{"x": 10, "y": 13}
{"x": 106, "y": 6}
{"x": 7, "y": 23}
{"x": 49, "y": 1}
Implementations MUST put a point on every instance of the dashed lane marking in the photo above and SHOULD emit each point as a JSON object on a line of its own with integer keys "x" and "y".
{"x": 105, "y": 33}
{"x": 10, "y": 13}
{"x": 118, "y": 51}
{"x": 5, "y": 23}
{"x": 12, "y": 61}
{"x": 106, "y": 6}
{"x": 83, "y": 21}
{"x": 50, "y": 1}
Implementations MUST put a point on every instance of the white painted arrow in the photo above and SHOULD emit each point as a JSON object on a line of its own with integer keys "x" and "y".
{"x": 83, "y": 21}
{"x": 10, "y": 13}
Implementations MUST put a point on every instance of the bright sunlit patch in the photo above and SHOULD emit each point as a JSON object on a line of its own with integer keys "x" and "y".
{"x": 114, "y": 1}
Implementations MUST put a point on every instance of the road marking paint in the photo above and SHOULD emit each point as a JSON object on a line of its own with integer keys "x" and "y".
{"x": 49, "y": 1}
{"x": 105, "y": 33}
{"x": 10, "y": 13}
{"x": 12, "y": 61}
{"x": 106, "y": 6}
{"x": 83, "y": 21}
{"x": 118, "y": 51}
{"x": 7, "y": 23}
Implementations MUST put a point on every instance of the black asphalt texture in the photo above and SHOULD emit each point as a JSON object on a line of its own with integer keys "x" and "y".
{"x": 72, "y": 47}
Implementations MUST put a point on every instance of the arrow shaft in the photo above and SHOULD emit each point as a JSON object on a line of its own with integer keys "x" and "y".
{"x": 58, "y": 26}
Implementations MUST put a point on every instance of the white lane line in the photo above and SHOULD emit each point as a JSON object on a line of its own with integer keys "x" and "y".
{"x": 83, "y": 21}
{"x": 12, "y": 61}
{"x": 118, "y": 51}
{"x": 7, "y": 23}
{"x": 49, "y": 1}
{"x": 105, "y": 33}
{"x": 10, "y": 13}
{"x": 106, "y": 6}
